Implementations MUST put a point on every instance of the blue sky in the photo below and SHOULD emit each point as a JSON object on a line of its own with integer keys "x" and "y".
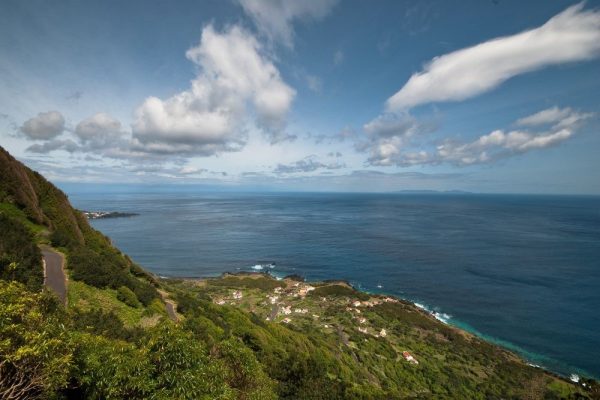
{"x": 485, "y": 96}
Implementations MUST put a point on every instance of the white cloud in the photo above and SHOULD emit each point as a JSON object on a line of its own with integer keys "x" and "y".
{"x": 572, "y": 35}
{"x": 210, "y": 117}
{"x": 495, "y": 145}
{"x": 44, "y": 126}
{"x": 548, "y": 116}
{"x": 275, "y": 18}
{"x": 189, "y": 170}
{"x": 52, "y": 145}
{"x": 307, "y": 164}
{"x": 388, "y": 135}
{"x": 99, "y": 131}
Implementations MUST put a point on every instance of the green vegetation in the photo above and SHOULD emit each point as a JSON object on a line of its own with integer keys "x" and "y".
{"x": 245, "y": 336}
{"x": 255, "y": 281}
{"x": 35, "y": 203}
{"x": 128, "y": 297}
{"x": 85, "y": 297}
{"x": 20, "y": 258}
{"x": 338, "y": 290}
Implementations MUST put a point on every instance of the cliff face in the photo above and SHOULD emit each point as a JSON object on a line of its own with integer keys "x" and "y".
{"x": 41, "y": 201}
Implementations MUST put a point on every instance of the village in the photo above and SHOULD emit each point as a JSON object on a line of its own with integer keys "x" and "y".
{"x": 295, "y": 303}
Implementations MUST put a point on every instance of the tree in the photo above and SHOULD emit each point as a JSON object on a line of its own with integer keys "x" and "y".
{"x": 112, "y": 369}
{"x": 183, "y": 369}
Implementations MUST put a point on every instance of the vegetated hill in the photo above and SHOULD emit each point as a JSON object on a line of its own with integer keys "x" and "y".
{"x": 234, "y": 340}
{"x": 28, "y": 197}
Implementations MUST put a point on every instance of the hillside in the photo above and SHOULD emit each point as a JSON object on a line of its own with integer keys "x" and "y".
{"x": 245, "y": 336}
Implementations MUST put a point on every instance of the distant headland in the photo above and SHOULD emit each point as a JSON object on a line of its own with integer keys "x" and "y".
{"x": 107, "y": 214}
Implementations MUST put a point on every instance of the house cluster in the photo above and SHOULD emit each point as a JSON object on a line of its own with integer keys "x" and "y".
{"x": 235, "y": 295}
{"x": 373, "y": 302}
{"x": 300, "y": 289}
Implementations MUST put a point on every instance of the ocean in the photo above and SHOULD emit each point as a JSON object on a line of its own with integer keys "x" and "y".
{"x": 520, "y": 270}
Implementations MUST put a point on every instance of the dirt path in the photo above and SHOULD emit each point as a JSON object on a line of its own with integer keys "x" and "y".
{"x": 170, "y": 306}
{"x": 54, "y": 273}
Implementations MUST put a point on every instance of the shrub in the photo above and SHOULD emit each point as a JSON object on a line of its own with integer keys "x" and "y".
{"x": 20, "y": 258}
{"x": 125, "y": 295}
{"x": 35, "y": 352}
{"x": 109, "y": 369}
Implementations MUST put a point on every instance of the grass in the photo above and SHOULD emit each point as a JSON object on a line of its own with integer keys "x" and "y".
{"x": 14, "y": 212}
{"x": 87, "y": 297}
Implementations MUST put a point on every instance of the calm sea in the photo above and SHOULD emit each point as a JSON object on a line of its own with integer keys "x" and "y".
{"x": 523, "y": 271}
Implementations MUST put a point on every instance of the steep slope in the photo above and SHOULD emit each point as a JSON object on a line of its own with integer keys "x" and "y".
{"x": 91, "y": 257}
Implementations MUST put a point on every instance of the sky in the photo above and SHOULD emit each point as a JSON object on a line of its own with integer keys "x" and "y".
{"x": 327, "y": 95}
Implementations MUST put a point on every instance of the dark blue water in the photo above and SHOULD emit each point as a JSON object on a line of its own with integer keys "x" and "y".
{"x": 521, "y": 270}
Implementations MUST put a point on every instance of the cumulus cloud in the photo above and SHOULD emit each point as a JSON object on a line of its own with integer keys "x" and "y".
{"x": 44, "y": 126}
{"x": 388, "y": 135}
{"x": 307, "y": 164}
{"x": 234, "y": 72}
{"x": 99, "y": 131}
{"x": 275, "y": 18}
{"x": 573, "y": 35}
{"x": 553, "y": 126}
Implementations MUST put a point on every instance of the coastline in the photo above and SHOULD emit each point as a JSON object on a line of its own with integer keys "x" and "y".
{"x": 525, "y": 357}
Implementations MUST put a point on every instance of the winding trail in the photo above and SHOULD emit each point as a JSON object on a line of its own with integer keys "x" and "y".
{"x": 54, "y": 273}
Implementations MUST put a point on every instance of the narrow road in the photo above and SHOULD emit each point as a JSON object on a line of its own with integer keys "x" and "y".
{"x": 54, "y": 273}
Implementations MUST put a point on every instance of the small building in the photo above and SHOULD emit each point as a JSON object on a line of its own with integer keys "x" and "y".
{"x": 304, "y": 290}
{"x": 286, "y": 320}
{"x": 408, "y": 357}
{"x": 383, "y": 333}
{"x": 285, "y": 310}
{"x": 237, "y": 294}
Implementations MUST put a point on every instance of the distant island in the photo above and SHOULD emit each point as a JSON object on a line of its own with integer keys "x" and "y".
{"x": 107, "y": 214}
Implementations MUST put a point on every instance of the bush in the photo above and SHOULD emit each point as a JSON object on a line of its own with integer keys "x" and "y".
{"x": 338, "y": 290}
{"x": 20, "y": 258}
{"x": 125, "y": 295}
{"x": 108, "y": 270}
{"x": 183, "y": 369}
{"x": 35, "y": 352}
{"x": 108, "y": 369}
{"x": 99, "y": 322}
